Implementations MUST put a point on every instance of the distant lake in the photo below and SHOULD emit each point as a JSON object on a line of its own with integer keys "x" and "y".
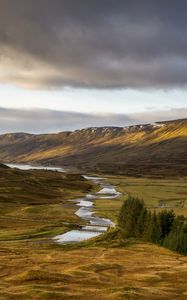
{"x": 30, "y": 167}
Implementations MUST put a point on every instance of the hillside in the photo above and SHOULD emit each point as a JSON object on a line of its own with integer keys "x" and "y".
{"x": 2, "y": 166}
{"x": 34, "y": 208}
{"x": 152, "y": 149}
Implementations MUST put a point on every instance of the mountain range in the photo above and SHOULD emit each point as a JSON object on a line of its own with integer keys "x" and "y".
{"x": 157, "y": 149}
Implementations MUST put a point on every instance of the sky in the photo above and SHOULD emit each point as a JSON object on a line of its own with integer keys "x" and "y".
{"x": 67, "y": 64}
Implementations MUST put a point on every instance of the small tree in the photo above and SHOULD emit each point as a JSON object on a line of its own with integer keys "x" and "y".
{"x": 147, "y": 233}
{"x": 163, "y": 228}
{"x": 177, "y": 240}
{"x": 129, "y": 215}
{"x": 141, "y": 223}
{"x": 166, "y": 219}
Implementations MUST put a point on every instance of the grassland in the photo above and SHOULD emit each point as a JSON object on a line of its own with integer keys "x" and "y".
{"x": 34, "y": 208}
{"x": 34, "y": 203}
{"x": 36, "y": 270}
{"x": 157, "y": 194}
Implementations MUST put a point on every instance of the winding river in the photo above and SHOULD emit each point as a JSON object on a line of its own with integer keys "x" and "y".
{"x": 95, "y": 225}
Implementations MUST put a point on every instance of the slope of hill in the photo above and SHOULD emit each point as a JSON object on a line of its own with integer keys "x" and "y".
{"x": 2, "y": 166}
{"x": 155, "y": 149}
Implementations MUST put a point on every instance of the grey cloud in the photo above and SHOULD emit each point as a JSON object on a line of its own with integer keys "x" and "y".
{"x": 44, "y": 121}
{"x": 100, "y": 43}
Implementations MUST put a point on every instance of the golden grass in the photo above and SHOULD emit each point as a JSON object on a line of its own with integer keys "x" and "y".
{"x": 32, "y": 267}
{"x": 34, "y": 204}
{"x": 140, "y": 271}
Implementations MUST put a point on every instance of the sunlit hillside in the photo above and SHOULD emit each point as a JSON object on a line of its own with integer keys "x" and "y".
{"x": 157, "y": 149}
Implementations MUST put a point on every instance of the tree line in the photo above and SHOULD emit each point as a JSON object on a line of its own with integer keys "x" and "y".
{"x": 163, "y": 228}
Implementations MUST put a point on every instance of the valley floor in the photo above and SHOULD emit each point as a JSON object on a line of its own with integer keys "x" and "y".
{"x": 34, "y": 208}
{"x": 157, "y": 194}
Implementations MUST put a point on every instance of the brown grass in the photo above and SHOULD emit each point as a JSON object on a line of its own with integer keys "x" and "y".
{"x": 34, "y": 204}
{"x": 34, "y": 208}
{"x": 140, "y": 271}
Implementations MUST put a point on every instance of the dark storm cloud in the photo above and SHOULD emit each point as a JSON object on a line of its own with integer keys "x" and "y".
{"x": 43, "y": 120}
{"x": 93, "y": 43}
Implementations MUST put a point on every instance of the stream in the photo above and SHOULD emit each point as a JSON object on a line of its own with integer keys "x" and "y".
{"x": 95, "y": 225}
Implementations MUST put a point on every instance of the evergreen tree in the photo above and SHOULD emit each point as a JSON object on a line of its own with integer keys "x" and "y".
{"x": 141, "y": 223}
{"x": 178, "y": 222}
{"x": 163, "y": 228}
{"x": 147, "y": 233}
{"x": 152, "y": 231}
{"x": 177, "y": 240}
{"x": 156, "y": 229}
{"x": 166, "y": 219}
{"x": 129, "y": 214}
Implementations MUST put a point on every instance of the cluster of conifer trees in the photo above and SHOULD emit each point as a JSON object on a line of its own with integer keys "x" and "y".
{"x": 164, "y": 228}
